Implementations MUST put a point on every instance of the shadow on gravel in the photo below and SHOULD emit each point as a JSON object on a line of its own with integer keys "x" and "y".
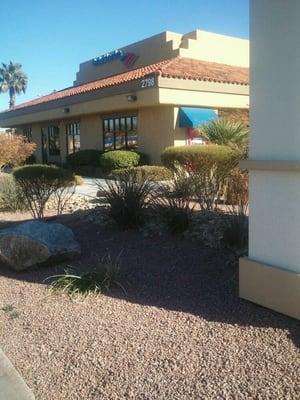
{"x": 172, "y": 273}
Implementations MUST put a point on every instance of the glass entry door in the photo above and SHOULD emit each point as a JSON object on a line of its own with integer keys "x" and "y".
{"x": 44, "y": 146}
{"x": 50, "y": 144}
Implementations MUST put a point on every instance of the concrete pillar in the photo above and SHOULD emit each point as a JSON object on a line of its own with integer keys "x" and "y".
{"x": 271, "y": 274}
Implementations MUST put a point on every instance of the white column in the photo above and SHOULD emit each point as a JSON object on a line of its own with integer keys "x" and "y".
{"x": 271, "y": 274}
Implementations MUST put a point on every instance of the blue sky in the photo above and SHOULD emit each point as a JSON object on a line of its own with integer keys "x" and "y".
{"x": 50, "y": 38}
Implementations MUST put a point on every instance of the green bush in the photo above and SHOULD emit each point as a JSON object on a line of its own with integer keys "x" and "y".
{"x": 119, "y": 159}
{"x": 173, "y": 201}
{"x": 39, "y": 182}
{"x": 208, "y": 167}
{"x": 127, "y": 197}
{"x": 84, "y": 157}
{"x": 196, "y": 157}
{"x": 152, "y": 172}
{"x": 235, "y": 232}
{"x": 11, "y": 198}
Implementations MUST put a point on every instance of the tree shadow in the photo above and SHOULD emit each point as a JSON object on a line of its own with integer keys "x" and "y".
{"x": 169, "y": 272}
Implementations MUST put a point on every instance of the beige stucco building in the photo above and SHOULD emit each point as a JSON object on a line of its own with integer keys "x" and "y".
{"x": 148, "y": 95}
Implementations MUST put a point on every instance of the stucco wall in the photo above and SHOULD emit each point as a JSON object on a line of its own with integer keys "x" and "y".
{"x": 91, "y": 132}
{"x": 275, "y": 121}
{"x": 156, "y": 127}
{"x": 235, "y": 114}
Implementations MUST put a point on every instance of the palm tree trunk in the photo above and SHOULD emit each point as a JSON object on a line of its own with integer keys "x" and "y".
{"x": 12, "y": 97}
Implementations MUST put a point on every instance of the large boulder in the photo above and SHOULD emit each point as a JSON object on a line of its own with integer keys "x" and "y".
{"x": 34, "y": 243}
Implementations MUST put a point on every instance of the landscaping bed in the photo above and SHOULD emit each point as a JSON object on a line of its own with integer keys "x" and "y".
{"x": 179, "y": 332}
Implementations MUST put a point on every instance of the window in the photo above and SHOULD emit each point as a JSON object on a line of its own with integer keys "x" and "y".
{"x": 27, "y": 132}
{"x": 73, "y": 137}
{"x": 120, "y": 133}
{"x": 53, "y": 141}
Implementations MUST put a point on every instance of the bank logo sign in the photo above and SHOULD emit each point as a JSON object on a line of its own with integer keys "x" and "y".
{"x": 128, "y": 59}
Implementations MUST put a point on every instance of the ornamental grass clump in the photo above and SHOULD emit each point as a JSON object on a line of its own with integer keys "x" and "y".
{"x": 127, "y": 197}
{"x": 235, "y": 233}
{"x": 101, "y": 278}
{"x": 38, "y": 183}
{"x": 173, "y": 203}
{"x": 11, "y": 198}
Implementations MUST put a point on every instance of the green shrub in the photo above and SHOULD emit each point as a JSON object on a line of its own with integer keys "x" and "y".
{"x": 127, "y": 198}
{"x": 152, "y": 172}
{"x": 31, "y": 159}
{"x": 11, "y": 198}
{"x": 209, "y": 167}
{"x": 39, "y": 182}
{"x": 144, "y": 158}
{"x": 173, "y": 201}
{"x": 119, "y": 159}
{"x": 84, "y": 157}
{"x": 235, "y": 232}
{"x": 196, "y": 157}
{"x": 101, "y": 278}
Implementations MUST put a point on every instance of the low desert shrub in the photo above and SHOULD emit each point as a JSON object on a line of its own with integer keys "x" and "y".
{"x": 208, "y": 166}
{"x": 153, "y": 172}
{"x": 127, "y": 197}
{"x": 101, "y": 278}
{"x": 236, "y": 223}
{"x": 39, "y": 182}
{"x": 237, "y": 191}
{"x": 235, "y": 232}
{"x": 84, "y": 158}
{"x": 14, "y": 150}
{"x": 119, "y": 159}
{"x": 173, "y": 202}
{"x": 198, "y": 157}
{"x": 11, "y": 198}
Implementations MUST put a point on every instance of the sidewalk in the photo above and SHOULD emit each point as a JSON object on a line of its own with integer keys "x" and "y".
{"x": 12, "y": 386}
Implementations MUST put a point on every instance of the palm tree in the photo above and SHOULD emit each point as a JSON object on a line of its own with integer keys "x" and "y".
{"x": 12, "y": 80}
{"x": 223, "y": 131}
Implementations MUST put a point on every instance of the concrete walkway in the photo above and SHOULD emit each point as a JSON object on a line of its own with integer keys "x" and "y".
{"x": 12, "y": 386}
{"x": 89, "y": 187}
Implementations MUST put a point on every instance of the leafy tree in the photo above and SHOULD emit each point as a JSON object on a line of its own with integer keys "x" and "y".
{"x": 12, "y": 80}
{"x": 14, "y": 150}
{"x": 225, "y": 132}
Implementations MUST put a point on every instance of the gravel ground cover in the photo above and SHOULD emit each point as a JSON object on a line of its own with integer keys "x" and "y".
{"x": 179, "y": 332}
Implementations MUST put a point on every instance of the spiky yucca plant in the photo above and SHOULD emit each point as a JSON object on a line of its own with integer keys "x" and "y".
{"x": 225, "y": 132}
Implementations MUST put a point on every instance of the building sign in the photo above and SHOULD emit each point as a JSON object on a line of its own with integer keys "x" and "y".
{"x": 148, "y": 82}
{"x": 128, "y": 59}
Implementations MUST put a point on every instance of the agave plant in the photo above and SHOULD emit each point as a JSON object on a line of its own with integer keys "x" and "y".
{"x": 223, "y": 131}
{"x": 127, "y": 196}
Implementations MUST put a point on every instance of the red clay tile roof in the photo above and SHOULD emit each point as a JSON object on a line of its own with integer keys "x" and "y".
{"x": 178, "y": 67}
